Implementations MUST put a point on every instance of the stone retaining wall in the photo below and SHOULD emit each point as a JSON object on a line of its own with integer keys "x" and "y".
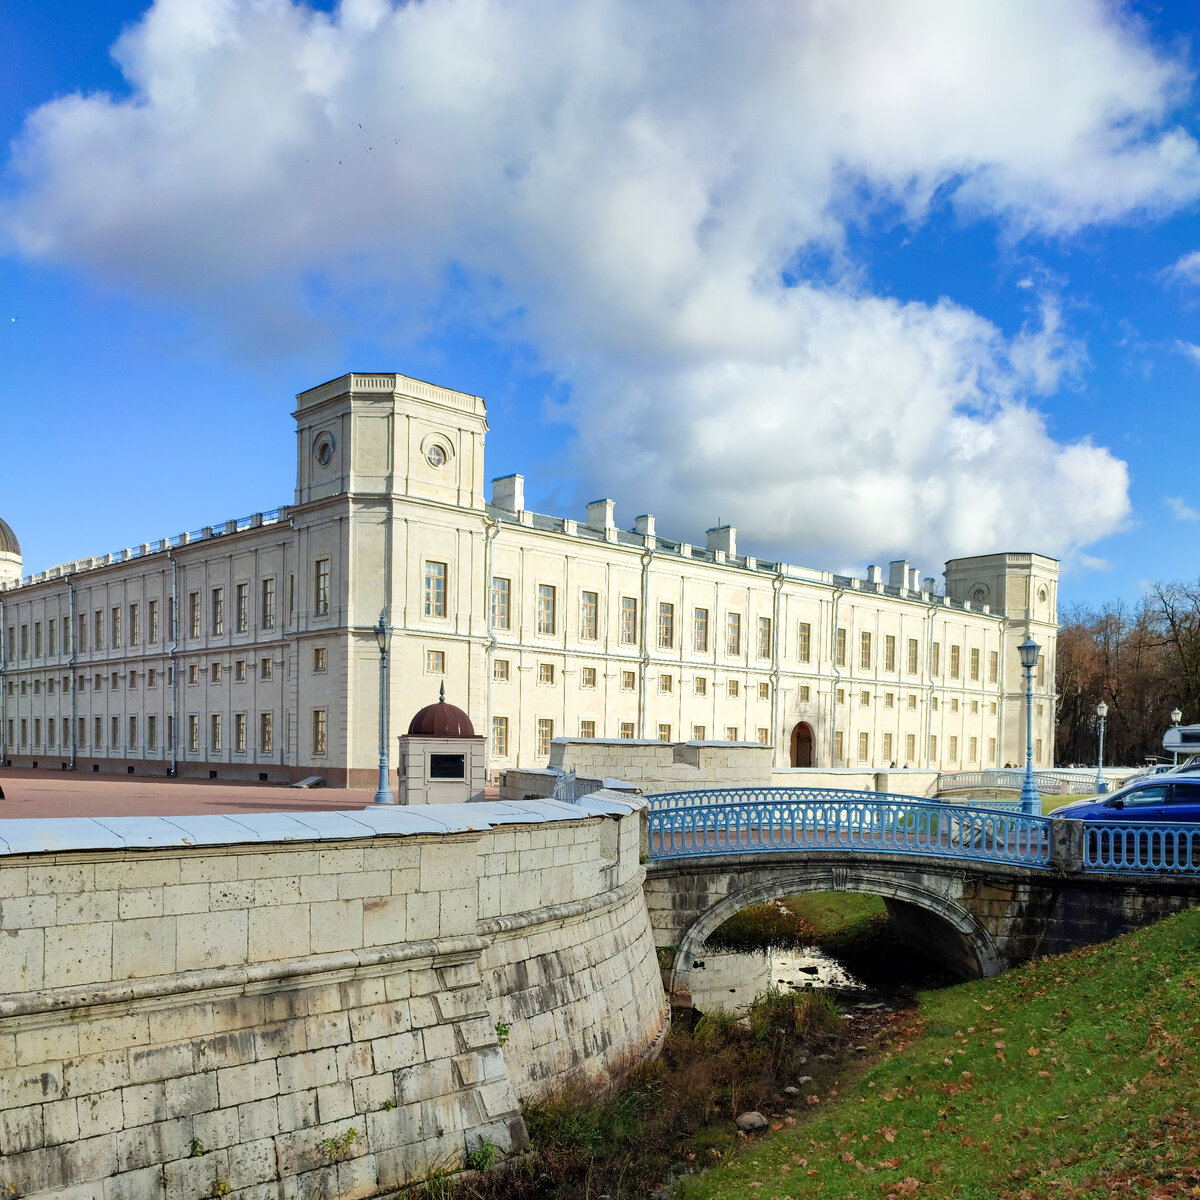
{"x": 175, "y": 1018}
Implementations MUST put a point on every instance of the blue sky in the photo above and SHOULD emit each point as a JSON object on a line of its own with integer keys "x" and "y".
{"x": 870, "y": 281}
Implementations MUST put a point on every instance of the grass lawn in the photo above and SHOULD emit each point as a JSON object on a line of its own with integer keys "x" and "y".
{"x": 828, "y": 912}
{"x": 1074, "y": 1077}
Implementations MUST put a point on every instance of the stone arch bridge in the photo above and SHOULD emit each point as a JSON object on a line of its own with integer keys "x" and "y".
{"x": 978, "y": 889}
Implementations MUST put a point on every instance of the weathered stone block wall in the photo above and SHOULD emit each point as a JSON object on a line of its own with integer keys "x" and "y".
{"x": 173, "y": 1018}
{"x": 665, "y": 766}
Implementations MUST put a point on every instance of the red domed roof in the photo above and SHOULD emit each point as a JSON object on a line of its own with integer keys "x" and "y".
{"x": 441, "y": 720}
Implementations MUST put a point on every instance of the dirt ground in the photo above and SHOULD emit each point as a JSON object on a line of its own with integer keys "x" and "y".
{"x": 62, "y": 794}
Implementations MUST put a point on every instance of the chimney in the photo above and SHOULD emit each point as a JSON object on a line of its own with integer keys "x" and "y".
{"x": 723, "y": 537}
{"x": 929, "y": 584}
{"x": 508, "y": 492}
{"x": 898, "y": 574}
{"x": 914, "y": 579}
{"x": 644, "y": 525}
{"x": 874, "y": 574}
{"x": 600, "y": 514}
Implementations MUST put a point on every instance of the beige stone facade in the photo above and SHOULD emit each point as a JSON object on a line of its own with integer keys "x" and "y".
{"x": 245, "y": 650}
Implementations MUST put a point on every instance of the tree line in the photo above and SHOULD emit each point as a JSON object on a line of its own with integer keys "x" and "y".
{"x": 1142, "y": 660}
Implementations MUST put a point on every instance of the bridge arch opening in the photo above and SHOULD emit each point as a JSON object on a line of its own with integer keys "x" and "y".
{"x": 802, "y": 745}
{"x": 927, "y": 920}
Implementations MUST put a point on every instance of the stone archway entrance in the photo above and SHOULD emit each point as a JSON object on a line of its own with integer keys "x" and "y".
{"x": 802, "y": 745}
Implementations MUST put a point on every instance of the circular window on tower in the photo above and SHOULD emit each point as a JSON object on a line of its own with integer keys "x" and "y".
{"x": 323, "y": 449}
{"x": 979, "y": 595}
{"x": 435, "y": 456}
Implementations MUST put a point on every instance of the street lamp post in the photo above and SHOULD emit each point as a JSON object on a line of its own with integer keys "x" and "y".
{"x": 1030, "y": 801}
{"x": 383, "y": 635}
{"x": 1101, "y": 784}
{"x": 1176, "y": 717}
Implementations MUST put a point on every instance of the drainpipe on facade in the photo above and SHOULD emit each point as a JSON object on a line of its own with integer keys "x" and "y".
{"x": 490, "y": 531}
{"x": 3, "y": 663}
{"x": 175, "y": 731}
{"x": 1003, "y": 698}
{"x": 928, "y": 687}
{"x": 776, "y": 650}
{"x": 837, "y": 674}
{"x": 646, "y": 557}
{"x": 71, "y": 662}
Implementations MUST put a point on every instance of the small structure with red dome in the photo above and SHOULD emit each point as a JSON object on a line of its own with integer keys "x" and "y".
{"x": 442, "y": 760}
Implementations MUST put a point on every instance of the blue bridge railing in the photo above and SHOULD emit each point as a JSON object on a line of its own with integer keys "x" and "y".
{"x": 747, "y": 820}
{"x": 1141, "y": 849}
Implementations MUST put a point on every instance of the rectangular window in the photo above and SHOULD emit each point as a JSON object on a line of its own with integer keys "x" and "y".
{"x": 913, "y": 656}
{"x": 864, "y": 650}
{"x": 114, "y": 682}
{"x": 936, "y": 665}
{"x": 889, "y": 652}
{"x": 170, "y": 733}
{"x": 114, "y": 733}
{"x": 664, "y": 683}
{"x": 841, "y": 695}
{"x": 98, "y": 733}
{"x": 804, "y": 641}
{"x": 545, "y": 672}
{"x": 37, "y": 731}
{"x": 733, "y": 634}
{"x": 264, "y": 669}
{"x": 81, "y": 639}
{"x": 152, "y": 732}
{"x": 912, "y": 702}
{"x": 97, "y": 633}
{"x": 214, "y": 733}
{"x": 975, "y": 662}
{"x": 81, "y": 731}
{"x": 839, "y": 648}
{"x": 628, "y": 681}
{"x": 547, "y": 617}
{"x": 732, "y": 688}
{"x": 152, "y": 621}
{"x": 321, "y": 588}
{"x": 802, "y": 693}
{"x": 135, "y": 625}
{"x": 239, "y": 671}
{"x": 133, "y": 732}
{"x": 910, "y": 747}
{"x": 764, "y": 736}
{"x": 171, "y": 627}
{"x": 1041, "y": 670}
{"x": 666, "y": 626}
{"x": 974, "y": 706}
{"x": 587, "y": 729}
{"x": 114, "y": 628}
{"x": 731, "y": 733}
{"x": 587, "y": 677}
{"x": 954, "y": 704}
{"x": 589, "y": 610}
{"x": 239, "y": 732}
{"x": 864, "y": 746}
{"x": 764, "y": 637}
{"x": 700, "y": 685}
{"x": 266, "y": 732}
{"x": 839, "y": 747}
{"x": 864, "y": 699}
{"x": 501, "y": 614}
{"x": 435, "y": 589}
{"x": 1037, "y": 751}
{"x": 52, "y": 637}
{"x": 629, "y": 630}
{"x": 216, "y": 672}
{"x": 933, "y": 703}
{"x": 664, "y": 733}
{"x": 194, "y": 614}
{"x": 889, "y": 699}
{"x": 133, "y": 680}
{"x": 241, "y": 607}
{"x": 500, "y": 670}
{"x": 993, "y": 666}
{"x": 887, "y": 748}
{"x": 545, "y": 735}
{"x": 435, "y": 662}
{"x": 627, "y": 729}
{"x": 953, "y": 748}
{"x": 500, "y": 737}
{"x": 933, "y": 749}
{"x": 992, "y": 751}
{"x": 973, "y": 749}
{"x": 700, "y": 630}
{"x": 266, "y": 611}
{"x": 96, "y": 682}
{"x": 320, "y": 730}
{"x": 764, "y": 691}
{"x": 218, "y": 611}
{"x": 955, "y": 656}
{"x": 699, "y": 733}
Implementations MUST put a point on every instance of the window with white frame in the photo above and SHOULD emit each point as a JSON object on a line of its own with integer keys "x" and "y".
{"x": 587, "y": 677}
{"x": 665, "y": 683}
{"x": 731, "y": 733}
{"x": 435, "y": 662}
{"x": 733, "y": 634}
{"x": 700, "y": 630}
{"x": 435, "y": 589}
{"x": 666, "y": 626}
{"x": 500, "y": 670}
{"x": 266, "y": 732}
{"x": 500, "y": 737}
{"x": 501, "y": 596}
{"x": 699, "y": 733}
{"x": 628, "y": 681}
{"x": 664, "y": 733}
{"x": 626, "y": 730}
{"x": 320, "y": 730}
{"x": 629, "y": 621}
{"x": 545, "y": 735}
{"x": 589, "y": 615}
{"x": 764, "y": 637}
{"x": 322, "y": 576}
{"x": 217, "y": 625}
{"x": 804, "y": 641}
{"x": 547, "y": 618}
{"x": 587, "y": 729}
{"x": 732, "y": 688}
{"x": 700, "y": 685}
{"x": 545, "y": 672}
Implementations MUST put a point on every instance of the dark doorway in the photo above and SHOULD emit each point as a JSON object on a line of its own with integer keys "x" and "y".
{"x": 802, "y": 745}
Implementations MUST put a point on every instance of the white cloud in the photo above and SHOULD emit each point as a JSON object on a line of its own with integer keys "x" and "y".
{"x": 621, "y": 185}
{"x": 1191, "y": 350}
{"x": 1181, "y": 510}
{"x": 1187, "y": 268}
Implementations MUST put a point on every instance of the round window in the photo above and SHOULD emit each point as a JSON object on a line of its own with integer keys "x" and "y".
{"x": 435, "y": 456}
{"x": 323, "y": 449}
{"x": 1042, "y": 595}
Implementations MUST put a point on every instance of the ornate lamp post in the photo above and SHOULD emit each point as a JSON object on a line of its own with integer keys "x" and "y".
{"x": 1176, "y": 717}
{"x": 1101, "y": 785}
{"x": 1030, "y": 801}
{"x": 383, "y": 635}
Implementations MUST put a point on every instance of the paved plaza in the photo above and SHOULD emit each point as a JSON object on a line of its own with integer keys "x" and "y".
{"x": 64, "y": 794}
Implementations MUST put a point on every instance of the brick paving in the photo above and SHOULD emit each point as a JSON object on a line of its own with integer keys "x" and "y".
{"x": 63, "y": 794}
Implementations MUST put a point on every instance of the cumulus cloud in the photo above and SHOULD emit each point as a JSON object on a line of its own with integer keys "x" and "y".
{"x": 631, "y": 190}
{"x": 1181, "y": 509}
{"x": 1190, "y": 349}
{"x": 1187, "y": 268}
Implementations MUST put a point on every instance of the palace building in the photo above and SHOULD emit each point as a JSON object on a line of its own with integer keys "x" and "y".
{"x": 247, "y": 650}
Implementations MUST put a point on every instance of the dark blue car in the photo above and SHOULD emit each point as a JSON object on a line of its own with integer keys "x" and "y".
{"x": 1174, "y": 798}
